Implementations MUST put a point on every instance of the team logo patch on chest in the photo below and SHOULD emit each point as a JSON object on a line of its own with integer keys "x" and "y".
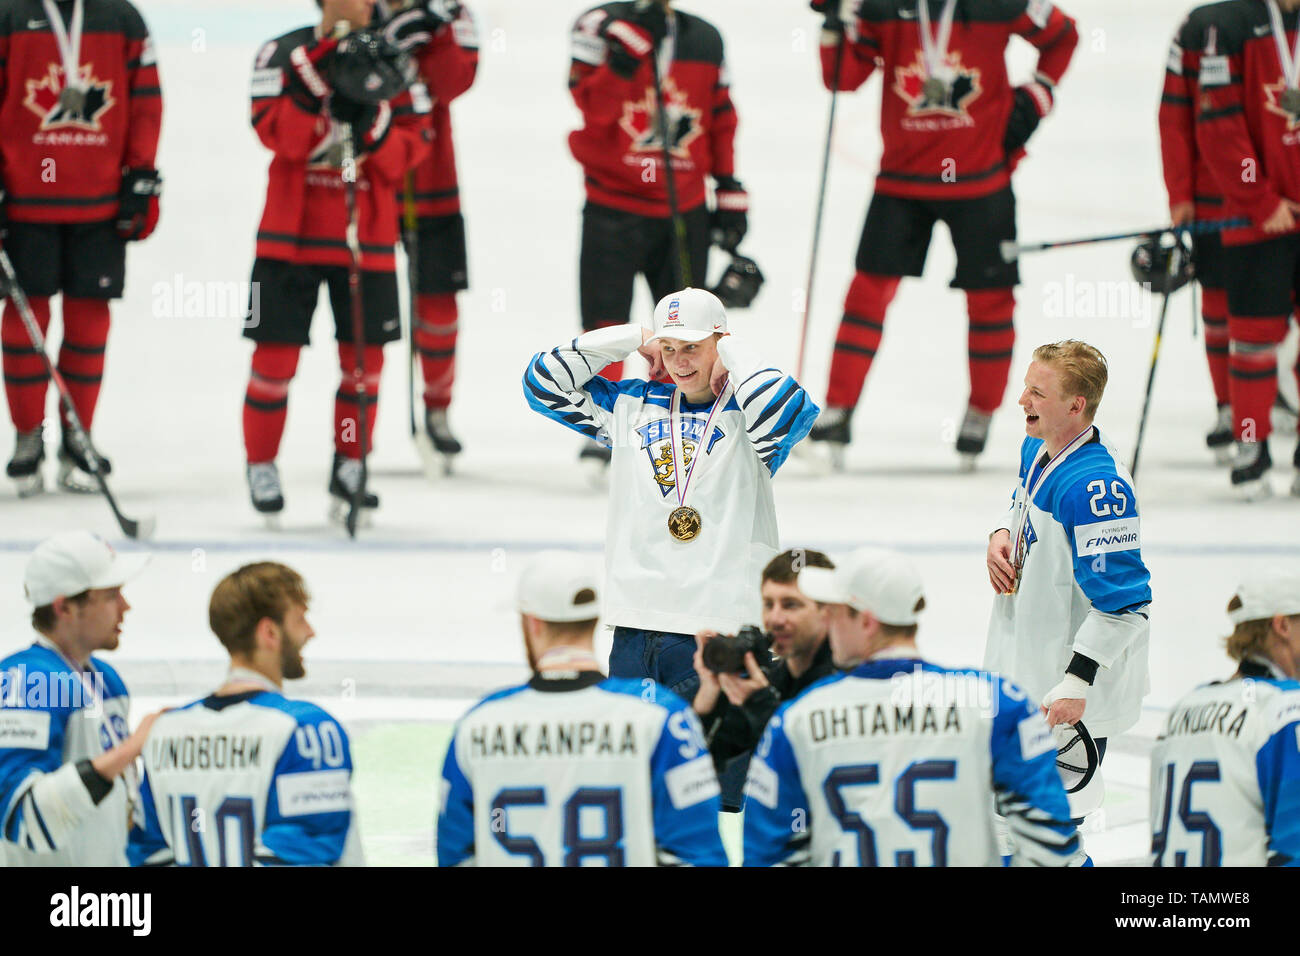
{"x": 1028, "y": 538}
{"x": 656, "y": 439}
{"x": 948, "y": 98}
{"x": 58, "y": 109}
{"x": 640, "y": 121}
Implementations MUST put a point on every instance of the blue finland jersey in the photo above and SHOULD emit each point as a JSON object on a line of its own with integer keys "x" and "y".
{"x": 901, "y": 763}
{"x": 593, "y": 771}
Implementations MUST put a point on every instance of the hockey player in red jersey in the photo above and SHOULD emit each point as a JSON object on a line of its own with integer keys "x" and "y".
{"x": 80, "y": 109}
{"x": 1248, "y": 128}
{"x": 442, "y": 36}
{"x": 954, "y": 129}
{"x": 626, "y": 224}
{"x": 300, "y": 112}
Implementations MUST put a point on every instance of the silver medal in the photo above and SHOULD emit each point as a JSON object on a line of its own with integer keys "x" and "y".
{"x": 1290, "y": 101}
{"x": 935, "y": 90}
{"x": 73, "y": 100}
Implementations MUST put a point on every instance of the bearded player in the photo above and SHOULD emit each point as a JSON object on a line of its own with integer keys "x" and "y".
{"x": 81, "y": 108}
{"x": 954, "y": 130}
{"x": 691, "y": 476}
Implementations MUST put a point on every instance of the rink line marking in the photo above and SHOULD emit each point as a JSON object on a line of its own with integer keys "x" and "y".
{"x": 439, "y": 546}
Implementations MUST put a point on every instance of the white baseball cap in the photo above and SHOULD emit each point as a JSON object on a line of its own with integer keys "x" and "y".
{"x": 552, "y": 583}
{"x": 1275, "y": 591}
{"x": 883, "y": 583}
{"x": 76, "y": 561}
{"x": 691, "y": 315}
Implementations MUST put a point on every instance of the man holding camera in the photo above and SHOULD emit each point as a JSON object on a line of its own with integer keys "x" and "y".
{"x": 737, "y": 695}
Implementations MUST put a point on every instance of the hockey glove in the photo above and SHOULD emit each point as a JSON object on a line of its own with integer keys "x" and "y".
{"x": 305, "y": 81}
{"x": 729, "y": 220}
{"x": 1033, "y": 101}
{"x": 137, "y": 204}
{"x": 417, "y": 25}
{"x": 631, "y": 40}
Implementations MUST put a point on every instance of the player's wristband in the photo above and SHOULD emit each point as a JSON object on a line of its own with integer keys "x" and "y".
{"x": 96, "y": 785}
{"x": 1083, "y": 667}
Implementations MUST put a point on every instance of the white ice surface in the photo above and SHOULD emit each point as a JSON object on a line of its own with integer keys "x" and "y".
{"x": 424, "y": 597}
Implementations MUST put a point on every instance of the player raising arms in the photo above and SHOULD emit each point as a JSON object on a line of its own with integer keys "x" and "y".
{"x": 247, "y": 776}
{"x": 690, "y": 497}
{"x": 575, "y": 768}
{"x": 80, "y": 109}
{"x": 954, "y": 129}
{"x": 308, "y": 87}
{"x": 1225, "y": 771}
{"x": 899, "y": 762}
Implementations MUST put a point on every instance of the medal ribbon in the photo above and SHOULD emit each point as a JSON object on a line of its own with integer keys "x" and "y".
{"x": 1030, "y": 488}
{"x": 681, "y": 481}
{"x": 242, "y": 675}
{"x": 68, "y": 40}
{"x": 934, "y": 44}
{"x": 566, "y": 659}
{"x": 1289, "y": 59}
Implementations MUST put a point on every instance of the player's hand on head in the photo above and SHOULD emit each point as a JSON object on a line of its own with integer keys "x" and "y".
{"x": 650, "y": 351}
{"x": 718, "y": 376}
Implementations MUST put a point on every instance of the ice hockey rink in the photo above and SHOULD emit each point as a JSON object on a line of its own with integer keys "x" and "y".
{"x": 414, "y": 618}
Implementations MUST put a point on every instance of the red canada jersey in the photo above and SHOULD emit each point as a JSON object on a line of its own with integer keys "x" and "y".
{"x": 1187, "y": 175}
{"x": 948, "y": 147}
{"x": 65, "y": 165}
{"x": 448, "y": 65}
{"x": 306, "y": 217}
{"x": 1250, "y": 139}
{"x": 619, "y": 145}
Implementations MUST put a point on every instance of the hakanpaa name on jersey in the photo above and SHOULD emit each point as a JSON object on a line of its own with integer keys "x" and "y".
{"x": 53, "y": 718}
{"x": 1225, "y": 776}
{"x": 590, "y": 771}
{"x": 247, "y": 779}
{"x": 902, "y": 763}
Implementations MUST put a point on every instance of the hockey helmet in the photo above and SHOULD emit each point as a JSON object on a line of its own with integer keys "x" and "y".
{"x": 739, "y": 284}
{"x": 1077, "y": 760}
{"x": 1164, "y": 261}
{"x": 368, "y": 69}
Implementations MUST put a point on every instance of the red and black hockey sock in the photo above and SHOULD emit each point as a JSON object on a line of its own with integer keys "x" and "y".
{"x": 266, "y": 403}
{"x": 1214, "y": 312}
{"x": 81, "y": 356}
{"x": 346, "y": 401}
{"x": 435, "y": 341}
{"x": 859, "y": 336}
{"x": 24, "y": 369}
{"x": 989, "y": 341}
{"x": 1252, "y": 373}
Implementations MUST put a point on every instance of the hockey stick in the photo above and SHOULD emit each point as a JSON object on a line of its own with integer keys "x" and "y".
{"x": 410, "y": 240}
{"x": 821, "y": 203}
{"x": 1012, "y": 250}
{"x": 1151, "y": 378}
{"x": 132, "y": 528}
{"x": 670, "y": 177}
{"x": 358, "y": 319}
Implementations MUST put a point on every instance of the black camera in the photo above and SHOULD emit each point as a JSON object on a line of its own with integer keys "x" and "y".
{"x": 725, "y": 654}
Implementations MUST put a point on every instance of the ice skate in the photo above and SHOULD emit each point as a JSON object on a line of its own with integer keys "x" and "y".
{"x": 1250, "y": 471}
{"x": 1219, "y": 440}
{"x": 437, "y": 445}
{"x": 25, "y": 466}
{"x": 972, "y": 437}
{"x": 829, "y": 437}
{"x": 594, "y": 460}
{"x": 265, "y": 492}
{"x": 75, "y": 473}
{"x": 345, "y": 475}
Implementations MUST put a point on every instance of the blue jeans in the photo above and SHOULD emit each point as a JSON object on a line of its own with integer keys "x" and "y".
{"x": 664, "y": 657}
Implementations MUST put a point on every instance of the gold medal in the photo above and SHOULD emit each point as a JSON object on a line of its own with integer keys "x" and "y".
{"x": 935, "y": 90}
{"x": 72, "y": 100}
{"x": 684, "y": 523}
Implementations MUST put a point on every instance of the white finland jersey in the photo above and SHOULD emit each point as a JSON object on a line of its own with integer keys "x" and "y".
{"x": 652, "y": 580}
{"x": 585, "y": 771}
{"x": 247, "y": 779}
{"x": 901, "y": 763}
{"x": 1225, "y": 776}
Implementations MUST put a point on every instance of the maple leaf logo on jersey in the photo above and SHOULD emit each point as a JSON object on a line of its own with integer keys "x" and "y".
{"x": 43, "y": 100}
{"x": 909, "y": 83}
{"x": 1274, "y": 92}
{"x": 640, "y": 121}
